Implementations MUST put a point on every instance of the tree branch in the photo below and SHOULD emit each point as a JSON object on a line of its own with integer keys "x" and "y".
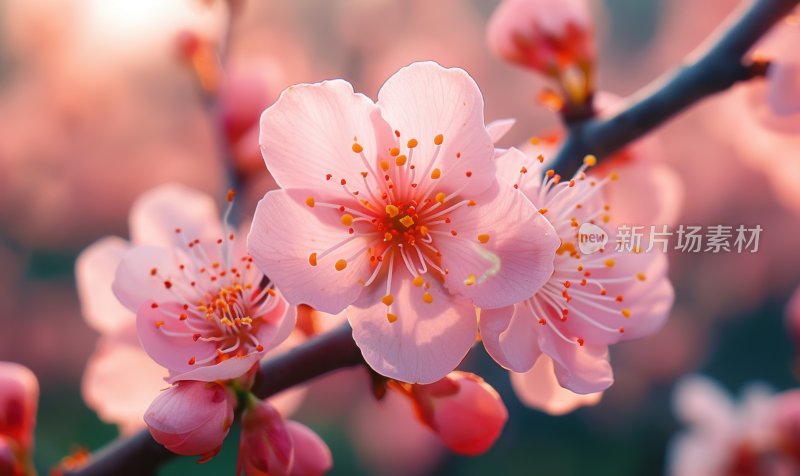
{"x": 718, "y": 67}
{"x": 140, "y": 455}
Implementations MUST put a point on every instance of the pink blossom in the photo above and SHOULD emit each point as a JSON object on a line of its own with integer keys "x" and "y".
{"x": 19, "y": 394}
{"x": 203, "y": 310}
{"x": 122, "y": 397}
{"x": 192, "y": 418}
{"x": 539, "y": 388}
{"x": 591, "y": 300}
{"x": 465, "y": 411}
{"x": 553, "y": 37}
{"x": 382, "y": 202}
{"x": 271, "y": 446}
{"x": 757, "y": 436}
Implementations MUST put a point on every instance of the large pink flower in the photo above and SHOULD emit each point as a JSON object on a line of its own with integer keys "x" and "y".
{"x": 394, "y": 210}
{"x": 590, "y": 301}
{"x": 203, "y": 310}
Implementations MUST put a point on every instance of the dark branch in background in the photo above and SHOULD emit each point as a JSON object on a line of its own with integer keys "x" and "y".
{"x": 719, "y": 66}
{"x": 717, "y": 69}
{"x": 140, "y": 455}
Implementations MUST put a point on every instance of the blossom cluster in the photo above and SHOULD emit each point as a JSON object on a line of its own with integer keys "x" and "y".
{"x": 402, "y": 222}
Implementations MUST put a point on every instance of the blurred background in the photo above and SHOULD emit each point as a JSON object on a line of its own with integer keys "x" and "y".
{"x": 103, "y": 99}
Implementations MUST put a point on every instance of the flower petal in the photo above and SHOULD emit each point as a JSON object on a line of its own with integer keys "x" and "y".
{"x": 427, "y": 340}
{"x": 157, "y": 213}
{"x": 310, "y": 130}
{"x": 134, "y": 282}
{"x": 94, "y": 273}
{"x": 503, "y": 251}
{"x": 423, "y": 100}
{"x": 497, "y": 129}
{"x": 509, "y": 336}
{"x": 312, "y": 457}
{"x": 538, "y": 388}
{"x": 118, "y": 396}
{"x": 583, "y": 369}
{"x": 285, "y": 232}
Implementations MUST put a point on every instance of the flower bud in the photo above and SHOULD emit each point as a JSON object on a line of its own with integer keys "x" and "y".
{"x": 192, "y": 418}
{"x": 552, "y": 37}
{"x": 19, "y": 393}
{"x": 466, "y": 412}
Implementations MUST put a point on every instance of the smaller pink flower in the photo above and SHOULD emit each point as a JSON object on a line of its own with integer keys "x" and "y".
{"x": 192, "y": 418}
{"x": 19, "y": 394}
{"x": 553, "y": 37}
{"x": 203, "y": 309}
{"x": 591, "y": 300}
{"x": 465, "y": 411}
{"x": 759, "y": 436}
{"x": 270, "y": 446}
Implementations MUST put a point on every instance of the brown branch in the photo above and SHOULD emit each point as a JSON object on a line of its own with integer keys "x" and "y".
{"x": 140, "y": 455}
{"x": 720, "y": 65}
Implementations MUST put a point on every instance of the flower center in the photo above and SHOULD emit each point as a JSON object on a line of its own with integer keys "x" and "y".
{"x": 219, "y": 302}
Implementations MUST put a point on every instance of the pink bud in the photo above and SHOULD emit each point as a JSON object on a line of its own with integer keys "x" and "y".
{"x": 192, "y": 418}
{"x": 266, "y": 446}
{"x": 549, "y": 36}
{"x": 312, "y": 457}
{"x": 9, "y": 466}
{"x": 19, "y": 393}
{"x": 466, "y": 412}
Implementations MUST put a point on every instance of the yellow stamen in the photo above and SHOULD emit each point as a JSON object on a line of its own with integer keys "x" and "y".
{"x": 357, "y": 148}
{"x": 483, "y": 237}
{"x": 626, "y": 313}
{"x": 438, "y": 139}
{"x": 347, "y": 219}
{"x": 436, "y": 174}
{"x": 417, "y": 281}
{"x": 440, "y": 197}
{"x": 340, "y": 265}
{"x": 392, "y": 211}
{"x": 427, "y": 297}
{"x": 470, "y": 280}
{"x": 388, "y": 299}
{"x": 590, "y": 160}
{"x": 400, "y": 161}
{"x": 310, "y": 202}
